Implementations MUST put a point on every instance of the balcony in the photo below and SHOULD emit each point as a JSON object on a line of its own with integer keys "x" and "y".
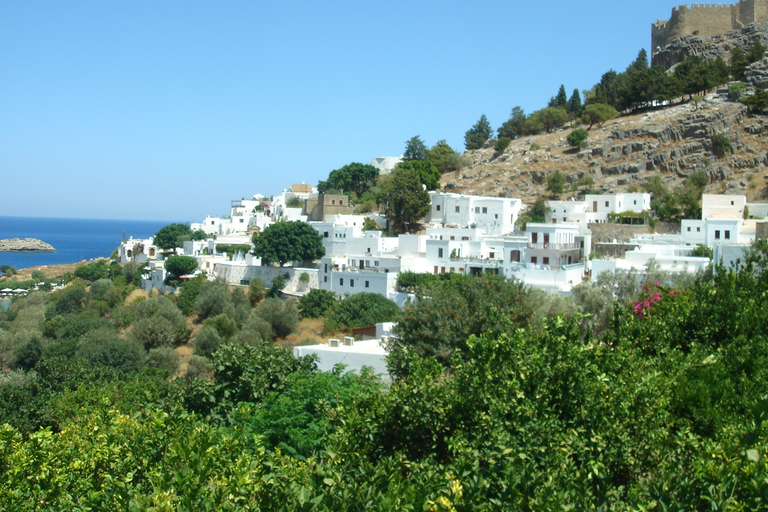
{"x": 555, "y": 247}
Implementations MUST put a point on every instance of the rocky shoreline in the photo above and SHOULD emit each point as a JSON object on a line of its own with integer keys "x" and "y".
{"x": 25, "y": 245}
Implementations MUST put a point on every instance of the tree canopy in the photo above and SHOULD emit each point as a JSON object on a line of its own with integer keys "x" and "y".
{"x": 428, "y": 173}
{"x": 415, "y": 149}
{"x": 405, "y": 199}
{"x": 477, "y": 136}
{"x": 288, "y": 241}
{"x": 354, "y": 177}
{"x": 172, "y": 236}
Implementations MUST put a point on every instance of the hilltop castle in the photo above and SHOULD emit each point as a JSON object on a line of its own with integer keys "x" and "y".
{"x": 707, "y": 20}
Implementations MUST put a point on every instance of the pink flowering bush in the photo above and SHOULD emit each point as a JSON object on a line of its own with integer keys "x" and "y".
{"x": 652, "y": 295}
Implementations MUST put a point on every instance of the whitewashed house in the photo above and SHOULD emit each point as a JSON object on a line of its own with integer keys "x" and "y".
{"x": 492, "y": 215}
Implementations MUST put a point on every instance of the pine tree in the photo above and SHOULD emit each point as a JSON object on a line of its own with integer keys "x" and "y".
{"x": 477, "y": 136}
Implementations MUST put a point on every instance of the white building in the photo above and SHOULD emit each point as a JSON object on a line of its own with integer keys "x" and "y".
{"x": 385, "y": 164}
{"x": 492, "y": 215}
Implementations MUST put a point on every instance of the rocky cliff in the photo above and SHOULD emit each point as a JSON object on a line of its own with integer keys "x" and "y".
{"x": 671, "y": 142}
{"x": 25, "y": 245}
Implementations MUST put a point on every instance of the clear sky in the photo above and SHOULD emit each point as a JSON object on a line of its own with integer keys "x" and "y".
{"x": 168, "y": 110}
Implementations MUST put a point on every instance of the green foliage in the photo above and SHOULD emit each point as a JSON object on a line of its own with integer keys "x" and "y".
{"x": 293, "y": 202}
{"x": 92, "y": 271}
{"x": 445, "y": 158}
{"x": 26, "y": 356}
{"x": 574, "y": 106}
{"x": 721, "y": 145}
{"x": 231, "y": 249}
{"x": 413, "y": 281}
{"x": 502, "y": 143}
{"x": 476, "y": 137}
{"x": 316, "y": 303}
{"x": 560, "y": 100}
{"x": 281, "y": 315}
{"x": 405, "y": 199}
{"x": 288, "y": 241}
{"x": 550, "y": 118}
{"x": 598, "y": 113}
{"x": 534, "y": 213}
{"x": 278, "y": 283}
{"x": 555, "y": 183}
{"x": 207, "y": 341}
{"x": 354, "y": 177}
{"x": 701, "y": 250}
{"x": 159, "y": 322}
{"x": 214, "y": 299}
{"x": 370, "y": 225}
{"x": 758, "y": 102}
{"x": 171, "y": 236}
{"x": 189, "y": 294}
{"x": 178, "y": 266}
{"x": 164, "y": 359}
{"x": 7, "y": 270}
{"x": 199, "y": 234}
{"x": 104, "y": 347}
{"x": 360, "y": 310}
{"x": 415, "y": 149}
{"x": 578, "y": 138}
{"x": 256, "y": 291}
{"x": 38, "y": 274}
{"x": 512, "y": 128}
{"x": 427, "y": 172}
{"x": 225, "y": 326}
{"x": 440, "y": 324}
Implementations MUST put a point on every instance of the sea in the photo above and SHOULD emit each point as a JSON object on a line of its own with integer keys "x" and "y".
{"x": 74, "y": 239}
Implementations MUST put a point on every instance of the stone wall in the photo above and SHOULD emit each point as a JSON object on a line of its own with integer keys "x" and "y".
{"x": 707, "y": 20}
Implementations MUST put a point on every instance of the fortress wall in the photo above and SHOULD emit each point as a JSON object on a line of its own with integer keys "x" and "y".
{"x": 707, "y": 19}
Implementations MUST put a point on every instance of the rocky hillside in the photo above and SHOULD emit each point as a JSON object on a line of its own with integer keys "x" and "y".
{"x": 671, "y": 142}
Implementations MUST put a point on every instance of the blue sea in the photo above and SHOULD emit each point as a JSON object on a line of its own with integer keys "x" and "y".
{"x": 74, "y": 239}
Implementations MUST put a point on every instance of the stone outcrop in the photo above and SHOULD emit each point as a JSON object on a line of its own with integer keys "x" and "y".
{"x": 25, "y": 245}
{"x": 671, "y": 142}
{"x": 709, "y": 48}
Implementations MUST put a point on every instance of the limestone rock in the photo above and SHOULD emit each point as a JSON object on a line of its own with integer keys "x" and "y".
{"x": 25, "y": 245}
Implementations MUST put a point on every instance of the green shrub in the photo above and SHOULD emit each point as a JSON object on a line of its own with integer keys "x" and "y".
{"x": 578, "y": 138}
{"x": 224, "y": 325}
{"x": 721, "y": 145}
{"x": 281, "y": 315}
{"x": 360, "y": 310}
{"x": 256, "y": 291}
{"x": 501, "y": 144}
{"x": 198, "y": 368}
{"x": 165, "y": 359}
{"x": 207, "y": 341}
{"x": 316, "y": 303}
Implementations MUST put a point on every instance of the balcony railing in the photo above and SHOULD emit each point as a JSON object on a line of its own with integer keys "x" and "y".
{"x": 555, "y": 247}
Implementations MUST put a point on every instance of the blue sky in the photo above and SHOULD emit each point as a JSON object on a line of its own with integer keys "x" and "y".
{"x": 168, "y": 110}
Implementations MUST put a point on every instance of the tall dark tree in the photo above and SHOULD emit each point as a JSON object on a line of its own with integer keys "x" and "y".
{"x": 574, "y": 104}
{"x": 477, "y": 136}
{"x": 443, "y": 157}
{"x": 415, "y": 149}
{"x": 560, "y": 100}
{"x": 405, "y": 198}
{"x": 428, "y": 173}
{"x": 513, "y": 127}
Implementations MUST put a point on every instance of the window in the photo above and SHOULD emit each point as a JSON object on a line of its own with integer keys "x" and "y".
{"x": 565, "y": 219}
{"x": 442, "y": 270}
{"x": 325, "y": 234}
{"x": 325, "y": 279}
{"x": 440, "y": 253}
{"x": 465, "y": 238}
{"x": 333, "y": 201}
{"x": 437, "y": 207}
{"x": 351, "y": 283}
{"x": 491, "y": 255}
{"x": 545, "y": 260}
{"x": 241, "y": 221}
{"x": 458, "y": 209}
{"x": 495, "y": 215}
{"x": 453, "y": 237}
{"x": 727, "y": 234}
{"x": 634, "y": 202}
{"x": 341, "y": 281}
{"x": 367, "y": 284}
{"x": 477, "y": 209}
{"x": 717, "y": 234}
{"x": 606, "y": 204}
{"x": 452, "y": 269}
{"x": 698, "y": 229}
{"x": 376, "y": 263}
{"x": 534, "y": 238}
{"x": 326, "y": 268}
{"x": 534, "y": 260}
{"x": 688, "y": 229}
{"x": 731, "y": 203}
{"x": 485, "y": 209}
